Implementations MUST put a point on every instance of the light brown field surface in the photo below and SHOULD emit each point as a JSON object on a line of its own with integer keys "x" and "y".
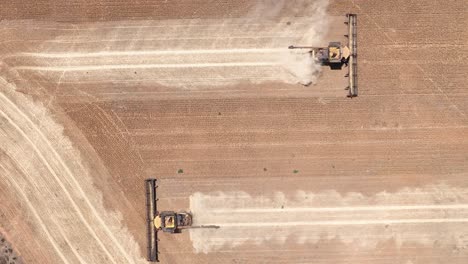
{"x": 96, "y": 96}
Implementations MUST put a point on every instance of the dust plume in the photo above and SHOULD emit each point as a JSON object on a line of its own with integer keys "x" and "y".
{"x": 207, "y": 53}
{"x": 300, "y": 63}
{"x": 266, "y": 8}
{"x": 304, "y": 69}
{"x": 418, "y": 215}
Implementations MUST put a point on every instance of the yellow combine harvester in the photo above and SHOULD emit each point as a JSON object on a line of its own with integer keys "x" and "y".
{"x": 166, "y": 221}
{"x": 172, "y": 222}
{"x": 336, "y": 55}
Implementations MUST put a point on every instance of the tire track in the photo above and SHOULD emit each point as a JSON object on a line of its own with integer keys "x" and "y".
{"x": 347, "y": 209}
{"x": 55, "y": 176}
{"x": 60, "y": 229}
{"x": 341, "y": 223}
{"x": 144, "y": 52}
{"x": 36, "y": 215}
{"x": 256, "y": 60}
{"x": 66, "y": 169}
{"x": 412, "y": 215}
{"x": 146, "y": 66}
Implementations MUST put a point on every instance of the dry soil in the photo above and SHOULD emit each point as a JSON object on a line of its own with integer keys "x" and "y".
{"x": 97, "y": 96}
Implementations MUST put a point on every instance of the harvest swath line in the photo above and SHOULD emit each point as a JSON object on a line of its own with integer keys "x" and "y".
{"x": 38, "y": 218}
{"x": 347, "y": 209}
{"x": 147, "y": 52}
{"x": 145, "y": 66}
{"x": 58, "y": 179}
{"x": 52, "y": 172}
{"x": 347, "y": 222}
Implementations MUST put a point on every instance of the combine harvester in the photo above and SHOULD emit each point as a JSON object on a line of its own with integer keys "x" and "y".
{"x": 336, "y": 55}
{"x": 166, "y": 221}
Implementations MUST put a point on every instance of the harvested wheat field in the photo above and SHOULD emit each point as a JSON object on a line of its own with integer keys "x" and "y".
{"x": 205, "y": 96}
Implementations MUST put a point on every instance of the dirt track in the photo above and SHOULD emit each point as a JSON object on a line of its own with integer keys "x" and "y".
{"x": 91, "y": 106}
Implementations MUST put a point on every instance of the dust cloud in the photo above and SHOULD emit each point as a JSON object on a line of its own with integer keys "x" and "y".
{"x": 421, "y": 215}
{"x": 299, "y": 63}
{"x": 207, "y": 53}
{"x": 266, "y": 8}
{"x": 304, "y": 69}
